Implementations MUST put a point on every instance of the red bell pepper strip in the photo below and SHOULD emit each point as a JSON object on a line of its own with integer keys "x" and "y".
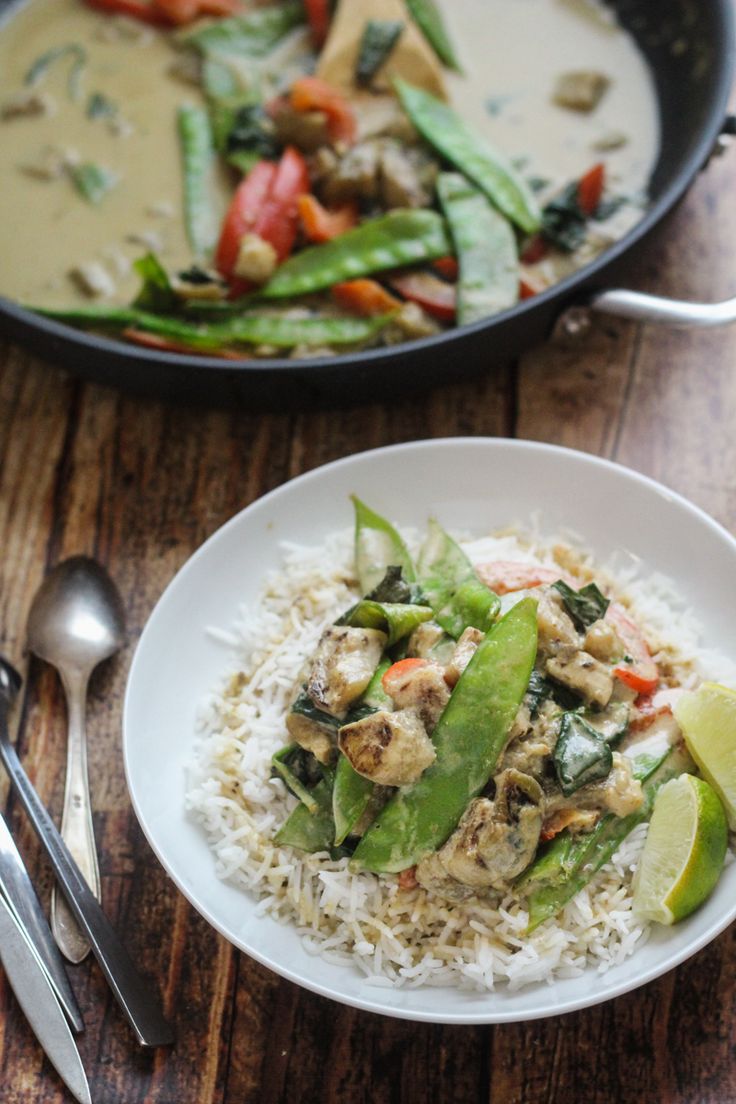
{"x": 265, "y": 204}
{"x": 527, "y": 289}
{"x": 641, "y": 673}
{"x": 321, "y": 224}
{"x": 649, "y": 707}
{"x": 536, "y": 249}
{"x": 505, "y": 576}
{"x": 365, "y": 297}
{"x": 136, "y": 9}
{"x": 590, "y": 189}
{"x": 436, "y": 296}
{"x": 314, "y": 94}
{"x": 180, "y": 12}
{"x": 165, "y": 344}
{"x": 318, "y": 17}
{"x": 447, "y": 267}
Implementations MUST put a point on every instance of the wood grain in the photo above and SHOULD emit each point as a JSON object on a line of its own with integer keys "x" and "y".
{"x": 141, "y": 484}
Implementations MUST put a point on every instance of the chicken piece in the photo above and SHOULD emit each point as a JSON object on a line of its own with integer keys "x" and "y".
{"x": 93, "y": 279}
{"x": 256, "y": 260}
{"x": 406, "y": 179}
{"x": 602, "y": 641}
{"x": 355, "y": 175}
{"x": 496, "y": 840}
{"x": 582, "y": 674}
{"x": 410, "y": 322}
{"x": 51, "y": 163}
{"x": 464, "y": 651}
{"x": 580, "y": 90}
{"x": 422, "y": 688}
{"x": 318, "y": 738}
{"x": 390, "y": 748}
{"x": 424, "y": 638}
{"x": 343, "y": 665}
{"x": 528, "y": 755}
{"x": 556, "y": 629}
{"x": 307, "y": 130}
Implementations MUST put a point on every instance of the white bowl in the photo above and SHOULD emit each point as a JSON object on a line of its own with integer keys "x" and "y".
{"x": 475, "y": 484}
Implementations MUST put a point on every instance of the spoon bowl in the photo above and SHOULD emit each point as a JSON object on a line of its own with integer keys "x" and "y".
{"x": 76, "y": 621}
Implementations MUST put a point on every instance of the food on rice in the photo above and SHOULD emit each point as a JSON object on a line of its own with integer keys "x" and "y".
{"x": 469, "y": 778}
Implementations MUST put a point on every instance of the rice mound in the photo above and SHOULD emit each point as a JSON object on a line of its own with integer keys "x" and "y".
{"x": 393, "y": 936}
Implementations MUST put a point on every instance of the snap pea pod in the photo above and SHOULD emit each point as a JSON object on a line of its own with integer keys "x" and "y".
{"x": 485, "y": 246}
{"x": 251, "y": 35}
{"x": 156, "y": 294}
{"x": 377, "y": 547}
{"x": 311, "y": 831}
{"x": 249, "y": 329}
{"x": 571, "y": 864}
{"x": 401, "y": 237}
{"x": 377, "y": 41}
{"x": 427, "y": 17}
{"x": 197, "y": 149}
{"x": 468, "y": 740}
{"x": 452, "y": 588}
{"x": 353, "y": 791}
{"x": 468, "y": 151}
{"x": 395, "y": 619}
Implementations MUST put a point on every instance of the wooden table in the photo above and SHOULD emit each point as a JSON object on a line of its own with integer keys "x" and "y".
{"x": 141, "y": 484}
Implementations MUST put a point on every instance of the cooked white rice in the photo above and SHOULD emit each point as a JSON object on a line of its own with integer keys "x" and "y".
{"x": 394, "y": 937}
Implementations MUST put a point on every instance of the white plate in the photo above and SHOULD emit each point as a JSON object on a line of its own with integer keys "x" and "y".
{"x": 468, "y": 483}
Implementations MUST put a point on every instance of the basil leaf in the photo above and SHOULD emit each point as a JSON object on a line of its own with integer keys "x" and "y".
{"x": 585, "y": 606}
{"x": 581, "y": 754}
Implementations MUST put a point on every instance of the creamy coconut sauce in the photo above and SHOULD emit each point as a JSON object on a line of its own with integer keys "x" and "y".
{"x": 46, "y": 227}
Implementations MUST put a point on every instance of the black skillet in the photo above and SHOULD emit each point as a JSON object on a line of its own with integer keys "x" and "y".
{"x": 689, "y": 45}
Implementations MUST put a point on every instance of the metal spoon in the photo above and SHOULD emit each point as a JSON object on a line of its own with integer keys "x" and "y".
{"x": 76, "y": 621}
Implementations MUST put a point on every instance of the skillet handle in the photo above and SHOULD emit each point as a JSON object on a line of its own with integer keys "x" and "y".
{"x": 640, "y": 307}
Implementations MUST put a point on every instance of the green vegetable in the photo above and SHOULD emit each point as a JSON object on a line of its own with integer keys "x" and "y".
{"x": 468, "y": 739}
{"x": 303, "y": 704}
{"x": 42, "y": 64}
{"x": 401, "y": 237}
{"x": 377, "y": 41}
{"x": 564, "y": 224}
{"x": 568, "y": 865}
{"x": 247, "y": 329}
{"x": 156, "y": 294}
{"x": 377, "y": 547}
{"x": 581, "y": 754}
{"x": 100, "y": 106}
{"x": 240, "y": 132}
{"x": 468, "y": 151}
{"x": 311, "y": 831}
{"x": 396, "y": 620}
{"x": 352, "y": 791}
{"x": 485, "y": 246}
{"x": 92, "y": 181}
{"x": 195, "y": 136}
{"x": 393, "y": 588}
{"x": 251, "y": 35}
{"x": 585, "y": 606}
{"x": 452, "y": 588}
{"x": 287, "y": 764}
{"x": 427, "y": 17}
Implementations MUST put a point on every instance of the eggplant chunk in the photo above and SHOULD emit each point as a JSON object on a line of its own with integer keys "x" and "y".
{"x": 343, "y": 666}
{"x": 421, "y": 688}
{"x": 464, "y": 652}
{"x": 431, "y": 875}
{"x": 312, "y": 736}
{"x": 582, "y": 674}
{"x": 555, "y": 626}
{"x": 390, "y": 748}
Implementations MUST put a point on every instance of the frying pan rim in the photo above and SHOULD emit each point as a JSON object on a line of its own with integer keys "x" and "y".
{"x": 203, "y": 366}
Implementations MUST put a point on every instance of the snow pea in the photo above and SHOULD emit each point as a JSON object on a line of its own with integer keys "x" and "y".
{"x": 451, "y": 587}
{"x": 311, "y": 831}
{"x": 377, "y": 547}
{"x": 397, "y": 620}
{"x": 468, "y": 739}
{"x": 448, "y": 132}
{"x": 427, "y": 17}
{"x": 401, "y": 237}
{"x": 569, "y": 864}
{"x": 156, "y": 294}
{"x": 197, "y": 150}
{"x": 485, "y": 246}
{"x": 253, "y": 34}
{"x": 247, "y": 329}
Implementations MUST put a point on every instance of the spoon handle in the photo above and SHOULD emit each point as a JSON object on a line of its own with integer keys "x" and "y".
{"x": 132, "y": 993}
{"x": 76, "y": 821}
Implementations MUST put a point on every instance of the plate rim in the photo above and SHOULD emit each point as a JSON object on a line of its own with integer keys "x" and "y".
{"x": 373, "y": 1004}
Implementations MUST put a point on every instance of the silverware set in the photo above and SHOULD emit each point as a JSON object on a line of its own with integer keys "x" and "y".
{"x": 76, "y": 621}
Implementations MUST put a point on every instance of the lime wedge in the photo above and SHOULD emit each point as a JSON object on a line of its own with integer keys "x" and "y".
{"x": 707, "y": 717}
{"x": 684, "y": 852}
